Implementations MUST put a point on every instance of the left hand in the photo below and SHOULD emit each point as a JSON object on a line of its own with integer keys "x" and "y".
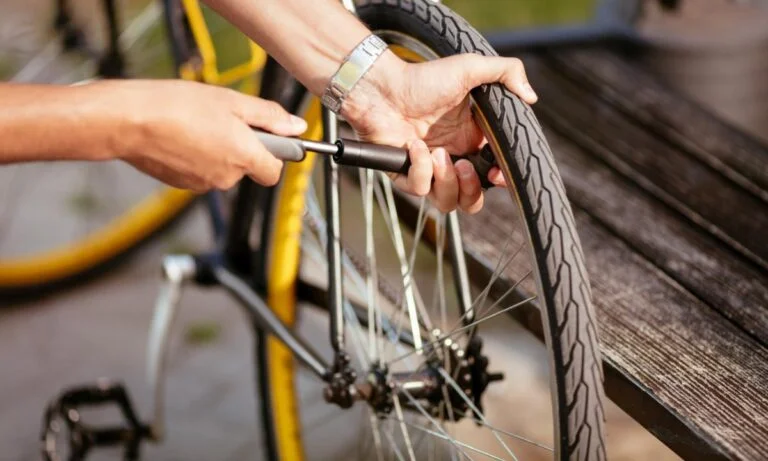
{"x": 426, "y": 106}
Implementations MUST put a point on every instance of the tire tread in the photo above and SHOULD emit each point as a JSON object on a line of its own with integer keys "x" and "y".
{"x": 572, "y": 322}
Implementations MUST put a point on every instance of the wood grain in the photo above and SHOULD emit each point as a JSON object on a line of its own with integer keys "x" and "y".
{"x": 666, "y": 113}
{"x": 692, "y": 257}
{"x": 691, "y": 187}
{"x": 672, "y": 210}
{"x": 675, "y": 348}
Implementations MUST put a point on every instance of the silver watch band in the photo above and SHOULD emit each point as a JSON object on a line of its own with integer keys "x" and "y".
{"x": 355, "y": 65}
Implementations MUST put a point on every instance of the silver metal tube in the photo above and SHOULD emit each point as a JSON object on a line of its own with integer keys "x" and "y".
{"x": 320, "y": 147}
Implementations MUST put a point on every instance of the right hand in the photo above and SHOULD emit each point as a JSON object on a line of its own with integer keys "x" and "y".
{"x": 195, "y": 136}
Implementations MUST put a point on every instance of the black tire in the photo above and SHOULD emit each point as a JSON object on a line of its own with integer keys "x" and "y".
{"x": 568, "y": 315}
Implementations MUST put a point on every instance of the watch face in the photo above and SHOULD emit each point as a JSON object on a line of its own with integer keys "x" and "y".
{"x": 348, "y": 74}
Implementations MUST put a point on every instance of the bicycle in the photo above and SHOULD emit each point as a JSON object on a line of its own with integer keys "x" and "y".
{"x": 429, "y": 379}
{"x": 95, "y": 232}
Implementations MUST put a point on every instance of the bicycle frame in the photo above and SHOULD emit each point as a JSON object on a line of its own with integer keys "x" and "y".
{"x": 231, "y": 263}
{"x": 231, "y": 267}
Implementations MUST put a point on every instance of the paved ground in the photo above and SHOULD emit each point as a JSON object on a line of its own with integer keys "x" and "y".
{"x": 99, "y": 330}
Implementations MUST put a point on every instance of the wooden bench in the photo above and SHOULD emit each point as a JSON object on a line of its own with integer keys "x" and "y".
{"x": 672, "y": 209}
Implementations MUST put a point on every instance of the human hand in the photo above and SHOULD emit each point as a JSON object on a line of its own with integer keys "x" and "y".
{"x": 196, "y": 136}
{"x": 426, "y": 106}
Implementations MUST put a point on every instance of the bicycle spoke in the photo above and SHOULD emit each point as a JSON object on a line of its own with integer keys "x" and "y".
{"x": 497, "y": 271}
{"x": 374, "y": 314}
{"x": 461, "y": 329}
{"x": 474, "y": 408}
{"x": 387, "y": 204}
{"x": 509, "y": 291}
{"x": 421, "y": 224}
{"x": 498, "y": 301}
{"x": 393, "y": 443}
{"x": 140, "y": 24}
{"x": 376, "y": 430}
{"x": 406, "y": 436}
{"x": 440, "y": 285}
{"x": 510, "y": 434}
{"x": 432, "y": 420}
{"x": 316, "y": 224}
{"x": 454, "y": 441}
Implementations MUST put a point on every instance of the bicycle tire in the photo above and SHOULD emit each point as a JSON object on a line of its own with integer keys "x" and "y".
{"x": 568, "y": 317}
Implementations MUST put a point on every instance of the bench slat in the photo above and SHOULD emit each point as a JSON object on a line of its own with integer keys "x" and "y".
{"x": 665, "y": 112}
{"x": 668, "y": 349}
{"x": 654, "y": 163}
{"x": 693, "y": 258}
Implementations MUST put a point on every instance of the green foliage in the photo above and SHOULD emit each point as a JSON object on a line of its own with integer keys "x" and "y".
{"x": 504, "y": 14}
{"x": 231, "y": 45}
{"x": 85, "y": 203}
{"x": 6, "y": 69}
{"x": 178, "y": 244}
{"x": 202, "y": 333}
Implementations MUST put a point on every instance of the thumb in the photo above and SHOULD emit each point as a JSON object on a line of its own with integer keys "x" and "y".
{"x": 268, "y": 115}
{"x": 495, "y": 69}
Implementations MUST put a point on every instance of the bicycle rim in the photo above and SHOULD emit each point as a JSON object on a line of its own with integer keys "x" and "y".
{"x": 576, "y": 431}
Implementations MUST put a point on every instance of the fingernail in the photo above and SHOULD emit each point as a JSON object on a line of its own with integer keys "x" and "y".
{"x": 529, "y": 89}
{"x": 440, "y": 155}
{"x": 465, "y": 171}
{"x": 298, "y": 123}
{"x": 495, "y": 176}
{"x": 418, "y": 144}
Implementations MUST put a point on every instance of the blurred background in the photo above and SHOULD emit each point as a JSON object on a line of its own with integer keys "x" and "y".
{"x": 715, "y": 51}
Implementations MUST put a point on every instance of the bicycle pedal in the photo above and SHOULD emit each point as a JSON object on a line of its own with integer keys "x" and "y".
{"x": 64, "y": 413}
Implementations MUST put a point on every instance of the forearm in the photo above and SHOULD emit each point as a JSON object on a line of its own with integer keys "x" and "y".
{"x": 310, "y": 38}
{"x": 47, "y": 122}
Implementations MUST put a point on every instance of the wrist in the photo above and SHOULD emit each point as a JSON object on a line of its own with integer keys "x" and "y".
{"x": 378, "y": 87}
{"x": 117, "y": 115}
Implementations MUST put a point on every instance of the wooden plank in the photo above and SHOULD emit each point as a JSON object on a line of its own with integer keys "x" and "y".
{"x": 666, "y": 113}
{"x": 696, "y": 260}
{"x": 682, "y": 182}
{"x": 668, "y": 346}
{"x": 679, "y": 350}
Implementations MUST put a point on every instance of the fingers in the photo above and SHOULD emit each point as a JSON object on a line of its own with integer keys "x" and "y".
{"x": 256, "y": 161}
{"x": 455, "y": 185}
{"x": 445, "y": 190}
{"x": 268, "y": 115}
{"x": 495, "y": 69}
{"x": 419, "y": 180}
{"x": 471, "y": 193}
{"x": 496, "y": 177}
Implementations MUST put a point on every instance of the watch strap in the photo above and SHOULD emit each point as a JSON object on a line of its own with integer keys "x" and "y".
{"x": 352, "y": 69}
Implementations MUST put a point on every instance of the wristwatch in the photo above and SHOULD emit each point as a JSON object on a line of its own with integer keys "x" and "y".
{"x": 355, "y": 65}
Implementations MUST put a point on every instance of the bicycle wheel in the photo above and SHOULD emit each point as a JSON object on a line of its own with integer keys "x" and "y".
{"x": 102, "y": 210}
{"x": 401, "y": 264}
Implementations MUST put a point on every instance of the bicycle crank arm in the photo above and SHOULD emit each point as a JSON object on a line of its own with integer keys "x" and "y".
{"x": 366, "y": 155}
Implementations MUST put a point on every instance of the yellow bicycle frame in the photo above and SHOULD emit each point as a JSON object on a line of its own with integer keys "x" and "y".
{"x": 207, "y": 69}
{"x": 284, "y": 270}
